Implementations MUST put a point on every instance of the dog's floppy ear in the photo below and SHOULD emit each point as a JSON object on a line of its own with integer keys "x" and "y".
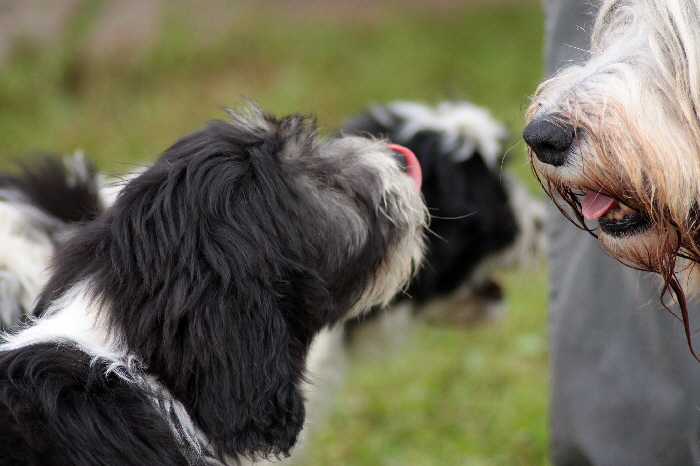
{"x": 222, "y": 346}
{"x": 215, "y": 333}
{"x": 247, "y": 397}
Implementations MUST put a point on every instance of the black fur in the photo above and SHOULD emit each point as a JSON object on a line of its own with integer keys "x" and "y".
{"x": 47, "y": 183}
{"x": 214, "y": 268}
{"x": 54, "y": 395}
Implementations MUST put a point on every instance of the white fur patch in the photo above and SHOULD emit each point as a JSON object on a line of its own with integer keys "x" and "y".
{"x": 26, "y": 246}
{"x": 73, "y": 317}
{"x": 465, "y": 127}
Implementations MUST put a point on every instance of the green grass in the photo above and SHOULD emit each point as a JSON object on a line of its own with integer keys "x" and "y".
{"x": 450, "y": 396}
{"x": 125, "y": 107}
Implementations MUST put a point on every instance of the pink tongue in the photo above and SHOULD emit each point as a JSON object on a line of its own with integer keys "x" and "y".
{"x": 595, "y": 205}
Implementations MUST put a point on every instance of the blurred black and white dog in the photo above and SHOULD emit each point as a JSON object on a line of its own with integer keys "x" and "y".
{"x": 174, "y": 327}
{"x": 482, "y": 218}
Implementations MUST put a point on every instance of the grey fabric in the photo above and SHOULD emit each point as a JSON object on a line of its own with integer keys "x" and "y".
{"x": 625, "y": 389}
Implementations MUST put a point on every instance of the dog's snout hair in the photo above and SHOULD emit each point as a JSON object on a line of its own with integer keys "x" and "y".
{"x": 631, "y": 113}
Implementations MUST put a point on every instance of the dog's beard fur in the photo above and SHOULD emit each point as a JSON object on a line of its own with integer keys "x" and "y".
{"x": 633, "y": 107}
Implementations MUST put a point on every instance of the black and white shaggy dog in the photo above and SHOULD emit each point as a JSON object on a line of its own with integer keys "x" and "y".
{"x": 482, "y": 218}
{"x": 174, "y": 327}
{"x": 38, "y": 207}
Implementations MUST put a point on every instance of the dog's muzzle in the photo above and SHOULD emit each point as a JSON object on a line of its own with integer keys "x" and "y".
{"x": 408, "y": 162}
{"x": 549, "y": 141}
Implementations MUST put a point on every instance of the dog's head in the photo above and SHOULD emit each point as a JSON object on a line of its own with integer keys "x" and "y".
{"x": 618, "y": 137}
{"x": 217, "y": 265}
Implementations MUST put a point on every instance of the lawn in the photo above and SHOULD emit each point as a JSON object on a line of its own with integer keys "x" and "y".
{"x": 450, "y": 395}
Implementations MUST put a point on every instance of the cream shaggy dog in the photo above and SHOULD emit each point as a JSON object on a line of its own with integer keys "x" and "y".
{"x": 618, "y": 137}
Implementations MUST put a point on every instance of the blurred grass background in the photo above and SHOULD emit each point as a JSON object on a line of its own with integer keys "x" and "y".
{"x": 123, "y": 80}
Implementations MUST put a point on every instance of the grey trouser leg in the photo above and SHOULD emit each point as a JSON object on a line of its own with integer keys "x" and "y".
{"x": 625, "y": 389}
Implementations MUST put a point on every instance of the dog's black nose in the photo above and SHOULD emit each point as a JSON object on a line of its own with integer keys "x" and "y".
{"x": 549, "y": 140}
